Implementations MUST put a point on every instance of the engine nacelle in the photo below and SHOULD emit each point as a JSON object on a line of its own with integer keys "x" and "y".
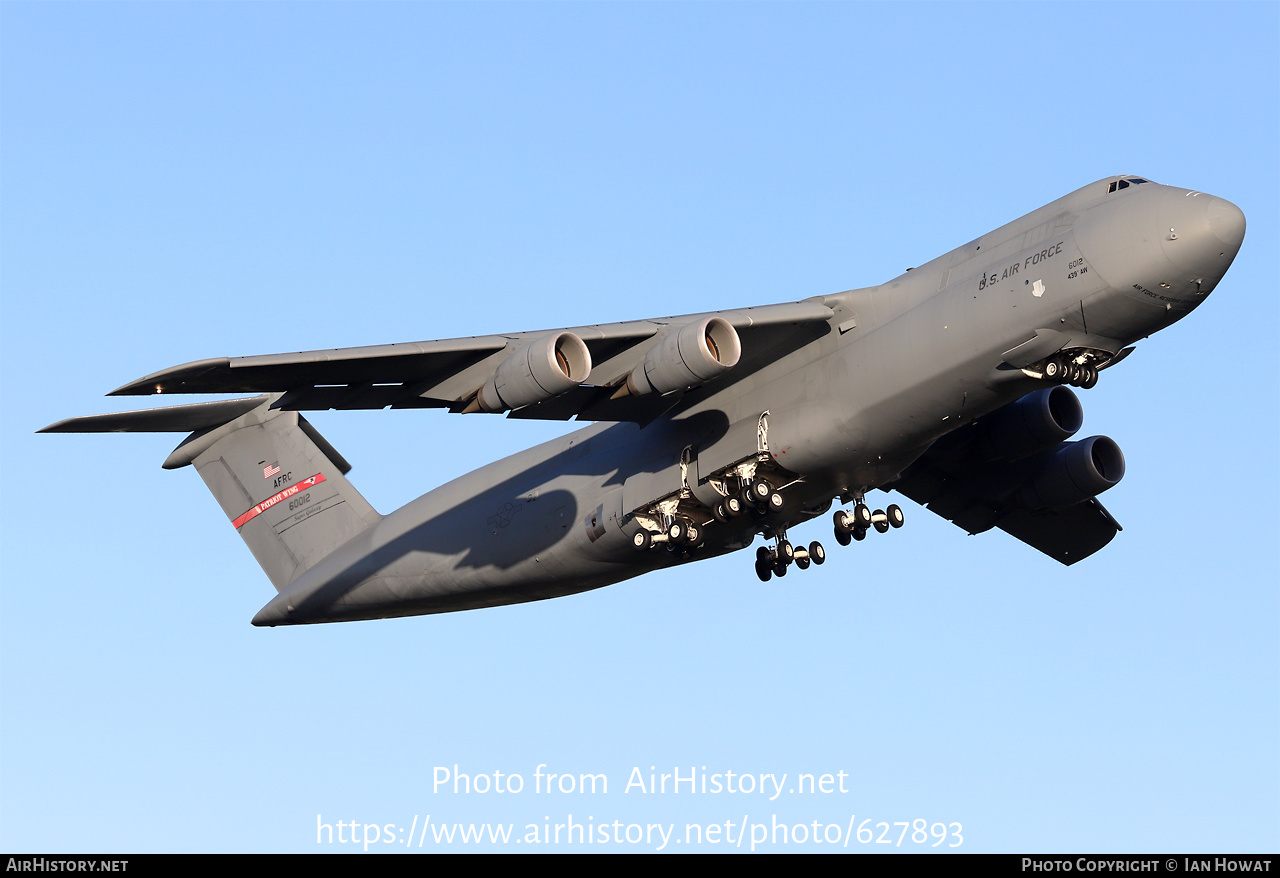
{"x": 1038, "y": 421}
{"x": 540, "y": 370}
{"x": 1077, "y": 472}
{"x": 693, "y": 354}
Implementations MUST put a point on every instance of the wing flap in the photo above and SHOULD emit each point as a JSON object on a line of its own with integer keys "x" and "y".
{"x": 1066, "y": 535}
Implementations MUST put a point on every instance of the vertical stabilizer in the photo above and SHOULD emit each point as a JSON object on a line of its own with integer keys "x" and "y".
{"x": 288, "y": 499}
{"x": 281, "y": 483}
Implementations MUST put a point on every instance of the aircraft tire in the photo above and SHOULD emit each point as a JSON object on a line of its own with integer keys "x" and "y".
{"x": 894, "y": 513}
{"x": 733, "y": 505}
{"x": 880, "y": 522}
{"x": 861, "y": 516}
{"x": 776, "y": 502}
{"x": 694, "y": 535}
{"x": 779, "y": 568}
{"x": 643, "y": 540}
{"x": 859, "y": 533}
{"x": 817, "y": 554}
{"x": 677, "y": 532}
{"x": 843, "y": 537}
{"x": 802, "y": 563}
{"x": 764, "y": 570}
{"x": 785, "y": 551}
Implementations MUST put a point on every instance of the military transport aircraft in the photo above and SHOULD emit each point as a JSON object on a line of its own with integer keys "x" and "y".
{"x": 948, "y": 384}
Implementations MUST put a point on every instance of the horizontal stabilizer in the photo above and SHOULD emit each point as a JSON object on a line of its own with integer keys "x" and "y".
{"x": 172, "y": 419}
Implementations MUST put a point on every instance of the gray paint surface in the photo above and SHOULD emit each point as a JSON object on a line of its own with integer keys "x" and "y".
{"x": 892, "y": 387}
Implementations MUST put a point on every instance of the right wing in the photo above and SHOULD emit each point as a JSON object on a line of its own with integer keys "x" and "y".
{"x": 1015, "y": 471}
{"x": 455, "y": 373}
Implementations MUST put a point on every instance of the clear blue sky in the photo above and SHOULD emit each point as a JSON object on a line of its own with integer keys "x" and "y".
{"x": 180, "y": 181}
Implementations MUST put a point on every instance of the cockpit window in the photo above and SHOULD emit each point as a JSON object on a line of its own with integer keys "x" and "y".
{"x": 1124, "y": 184}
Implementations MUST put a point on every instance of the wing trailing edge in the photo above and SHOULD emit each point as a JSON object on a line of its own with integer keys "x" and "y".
{"x": 449, "y": 373}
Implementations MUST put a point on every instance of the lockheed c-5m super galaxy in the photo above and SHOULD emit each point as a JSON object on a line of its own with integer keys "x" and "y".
{"x": 948, "y": 385}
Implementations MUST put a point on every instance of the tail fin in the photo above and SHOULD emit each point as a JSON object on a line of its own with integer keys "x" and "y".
{"x": 280, "y": 482}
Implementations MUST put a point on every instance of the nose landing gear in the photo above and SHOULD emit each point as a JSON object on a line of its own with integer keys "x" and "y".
{"x": 1066, "y": 368}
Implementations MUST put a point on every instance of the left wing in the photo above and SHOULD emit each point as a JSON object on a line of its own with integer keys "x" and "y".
{"x": 609, "y": 372}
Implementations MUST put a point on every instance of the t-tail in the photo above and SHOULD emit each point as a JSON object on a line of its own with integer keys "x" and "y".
{"x": 281, "y": 484}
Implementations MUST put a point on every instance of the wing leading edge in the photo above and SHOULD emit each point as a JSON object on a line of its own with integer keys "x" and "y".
{"x": 450, "y": 373}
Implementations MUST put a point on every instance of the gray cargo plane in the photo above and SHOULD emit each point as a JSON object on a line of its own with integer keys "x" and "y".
{"x": 947, "y": 384}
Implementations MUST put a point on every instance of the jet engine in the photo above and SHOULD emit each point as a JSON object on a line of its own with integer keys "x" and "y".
{"x": 1038, "y": 421}
{"x": 1074, "y": 473}
{"x": 695, "y": 353}
{"x": 541, "y": 370}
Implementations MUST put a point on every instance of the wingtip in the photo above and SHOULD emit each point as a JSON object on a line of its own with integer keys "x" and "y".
{"x": 170, "y": 380}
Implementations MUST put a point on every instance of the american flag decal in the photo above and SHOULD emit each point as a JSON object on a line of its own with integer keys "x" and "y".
{"x": 269, "y": 471}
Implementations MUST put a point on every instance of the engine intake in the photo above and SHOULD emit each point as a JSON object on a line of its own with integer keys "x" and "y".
{"x": 540, "y": 370}
{"x": 692, "y": 355}
{"x": 1038, "y": 421}
{"x": 1077, "y": 472}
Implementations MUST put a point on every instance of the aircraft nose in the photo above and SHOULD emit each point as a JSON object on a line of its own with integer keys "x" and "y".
{"x": 1226, "y": 221}
{"x": 1202, "y": 235}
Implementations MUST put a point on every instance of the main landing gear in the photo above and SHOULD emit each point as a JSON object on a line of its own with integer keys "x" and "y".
{"x": 854, "y": 525}
{"x": 681, "y": 525}
{"x": 681, "y": 535}
{"x": 771, "y": 562}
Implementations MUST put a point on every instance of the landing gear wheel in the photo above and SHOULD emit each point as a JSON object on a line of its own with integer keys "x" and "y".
{"x": 895, "y": 516}
{"x": 1053, "y": 371}
{"x": 642, "y": 540}
{"x": 802, "y": 563}
{"x": 764, "y": 554}
{"x": 779, "y": 568}
{"x": 677, "y": 532}
{"x": 764, "y": 570}
{"x": 843, "y": 537}
{"x": 1090, "y": 378}
{"x": 785, "y": 552}
{"x": 733, "y": 506}
{"x": 694, "y": 535}
{"x": 861, "y": 516}
{"x": 761, "y": 491}
{"x": 817, "y": 554}
{"x": 880, "y": 521}
{"x": 859, "y": 533}
{"x": 719, "y": 513}
{"x": 776, "y": 502}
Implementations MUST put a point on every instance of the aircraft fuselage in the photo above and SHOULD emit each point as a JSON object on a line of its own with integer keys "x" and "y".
{"x": 898, "y": 366}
